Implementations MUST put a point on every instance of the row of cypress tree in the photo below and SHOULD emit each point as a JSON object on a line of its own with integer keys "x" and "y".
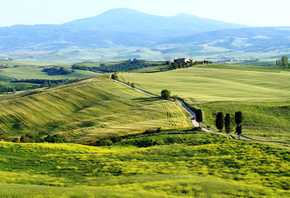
{"x": 222, "y": 121}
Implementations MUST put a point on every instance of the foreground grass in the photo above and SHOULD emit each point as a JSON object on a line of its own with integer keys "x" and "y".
{"x": 87, "y": 109}
{"x": 181, "y": 164}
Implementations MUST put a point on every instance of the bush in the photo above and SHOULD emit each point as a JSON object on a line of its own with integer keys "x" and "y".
{"x": 57, "y": 138}
{"x": 151, "y": 131}
{"x": 114, "y": 76}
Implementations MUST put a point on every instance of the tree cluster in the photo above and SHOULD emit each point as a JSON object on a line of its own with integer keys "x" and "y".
{"x": 42, "y": 81}
{"x": 23, "y": 87}
{"x": 178, "y": 65}
{"x": 283, "y": 62}
{"x": 222, "y": 121}
{"x": 57, "y": 71}
{"x": 35, "y": 138}
{"x": 125, "y": 66}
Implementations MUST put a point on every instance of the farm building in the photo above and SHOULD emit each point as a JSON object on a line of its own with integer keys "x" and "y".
{"x": 183, "y": 60}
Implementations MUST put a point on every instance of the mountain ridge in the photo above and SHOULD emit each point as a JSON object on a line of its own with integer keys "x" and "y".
{"x": 126, "y": 28}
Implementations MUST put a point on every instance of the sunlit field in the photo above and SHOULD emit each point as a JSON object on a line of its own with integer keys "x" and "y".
{"x": 168, "y": 164}
{"x": 261, "y": 93}
{"x": 86, "y": 109}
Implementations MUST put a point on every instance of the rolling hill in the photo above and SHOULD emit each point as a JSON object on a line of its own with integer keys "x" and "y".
{"x": 88, "y": 109}
{"x": 260, "y": 39}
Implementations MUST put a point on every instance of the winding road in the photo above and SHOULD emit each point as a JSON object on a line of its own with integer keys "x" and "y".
{"x": 194, "y": 122}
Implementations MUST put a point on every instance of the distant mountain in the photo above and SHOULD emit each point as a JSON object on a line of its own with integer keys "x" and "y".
{"x": 127, "y": 20}
{"x": 118, "y": 27}
{"x": 245, "y": 39}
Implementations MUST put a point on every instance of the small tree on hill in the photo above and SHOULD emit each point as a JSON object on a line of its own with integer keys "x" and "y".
{"x": 199, "y": 116}
{"x": 219, "y": 122}
{"x": 165, "y": 94}
{"x": 228, "y": 123}
{"x": 284, "y": 61}
{"x": 114, "y": 76}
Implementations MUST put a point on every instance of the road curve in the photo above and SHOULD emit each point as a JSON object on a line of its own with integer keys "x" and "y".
{"x": 194, "y": 122}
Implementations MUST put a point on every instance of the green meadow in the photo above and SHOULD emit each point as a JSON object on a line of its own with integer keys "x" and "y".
{"x": 167, "y": 164}
{"x": 35, "y": 72}
{"x": 176, "y": 162}
{"x": 261, "y": 93}
{"x": 88, "y": 109}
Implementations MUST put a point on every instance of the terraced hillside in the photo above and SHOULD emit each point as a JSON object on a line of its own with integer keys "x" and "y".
{"x": 86, "y": 109}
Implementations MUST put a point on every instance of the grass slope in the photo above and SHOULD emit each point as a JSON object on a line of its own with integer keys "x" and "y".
{"x": 261, "y": 93}
{"x": 181, "y": 164}
{"x": 86, "y": 109}
{"x": 217, "y": 84}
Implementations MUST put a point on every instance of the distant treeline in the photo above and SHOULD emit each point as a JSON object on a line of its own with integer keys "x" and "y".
{"x": 125, "y": 66}
{"x": 57, "y": 71}
{"x": 42, "y": 81}
{"x": 176, "y": 65}
{"x": 22, "y": 87}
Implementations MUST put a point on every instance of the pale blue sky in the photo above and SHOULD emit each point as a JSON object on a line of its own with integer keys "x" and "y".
{"x": 248, "y": 12}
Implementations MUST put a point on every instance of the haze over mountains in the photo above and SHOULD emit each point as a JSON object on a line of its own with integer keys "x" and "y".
{"x": 121, "y": 28}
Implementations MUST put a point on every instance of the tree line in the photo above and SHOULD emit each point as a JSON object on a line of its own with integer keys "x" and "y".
{"x": 57, "y": 71}
{"x": 283, "y": 62}
{"x": 35, "y": 138}
{"x": 125, "y": 66}
{"x": 224, "y": 121}
{"x": 178, "y": 65}
{"x": 22, "y": 87}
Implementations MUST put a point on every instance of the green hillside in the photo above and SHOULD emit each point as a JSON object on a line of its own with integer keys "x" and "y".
{"x": 261, "y": 93}
{"x": 181, "y": 164}
{"x": 86, "y": 109}
{"x": 176, "y": 162}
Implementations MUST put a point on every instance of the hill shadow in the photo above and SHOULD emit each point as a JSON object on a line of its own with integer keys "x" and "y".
{"x": 146, "y": 99}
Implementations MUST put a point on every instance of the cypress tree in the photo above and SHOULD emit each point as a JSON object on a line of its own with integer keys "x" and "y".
{"x": 219, "y": 122}
{"x": 228, "y": 123}
{"x": 238, "y": 118}
{"x": 199, "y": 116}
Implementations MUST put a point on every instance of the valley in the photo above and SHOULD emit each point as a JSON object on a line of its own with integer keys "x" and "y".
{"x": 131, "y": 144}
{"x": 93, "y": 107}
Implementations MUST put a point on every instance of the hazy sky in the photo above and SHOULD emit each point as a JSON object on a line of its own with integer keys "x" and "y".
{"x": 248, "y": 12}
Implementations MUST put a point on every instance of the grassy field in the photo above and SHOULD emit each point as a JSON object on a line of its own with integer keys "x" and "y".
{"x": 261, "y": 93}
{"x": 218, "y": 83}
{"x": 177, "y": 162}
{"x": 180, "y": 164}
{"x": 34, "y": 72}
{"x": 86, "y": 109}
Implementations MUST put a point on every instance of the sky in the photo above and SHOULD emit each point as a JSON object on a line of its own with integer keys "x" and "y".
{"x": 246, "y": 12}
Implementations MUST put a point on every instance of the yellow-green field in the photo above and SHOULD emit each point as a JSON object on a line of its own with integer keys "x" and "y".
{"x": 86, "y": 109}
{"x": 261, "y": 93}
{"x": 224, "y": 83}
{"x": 181, "y": 164}
{"x": 176, "y": 162}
